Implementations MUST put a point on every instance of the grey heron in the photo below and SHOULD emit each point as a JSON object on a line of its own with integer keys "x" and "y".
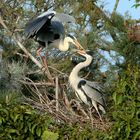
{"x": 47, "y": 29}
{"x": 90, "y": 93}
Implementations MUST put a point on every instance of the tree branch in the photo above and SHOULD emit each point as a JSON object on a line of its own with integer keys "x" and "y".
{"x": 19, "y": 44}
{"x": 115, "y": 8}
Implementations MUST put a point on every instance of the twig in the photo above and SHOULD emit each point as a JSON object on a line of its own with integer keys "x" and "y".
{"x": 37, "y": 84}
{"x": 57, "y": 70}
{"x": 115, "y": 8}
{"x": 66, "y": 101}
{"x": 23, "y": 48}
{"x": 56, "y": 93}
{"x": 19, "y": 44}
{"x": 22, "y": 55}
{"x": 37, "y": 91}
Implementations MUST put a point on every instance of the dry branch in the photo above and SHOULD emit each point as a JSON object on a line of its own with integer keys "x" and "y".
{"x": 56, "y": 93}
{"x": 19, "y": 44}
{"x": 37, "y": 83}
{"x": 115, "y": 8}
{"x": 24, "y": 49}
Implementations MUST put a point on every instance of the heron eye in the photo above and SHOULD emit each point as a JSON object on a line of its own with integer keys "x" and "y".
{"x": 56, "y": 36}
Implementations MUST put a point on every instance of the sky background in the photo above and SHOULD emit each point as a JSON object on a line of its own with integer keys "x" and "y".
{"x": 124, "y": 6}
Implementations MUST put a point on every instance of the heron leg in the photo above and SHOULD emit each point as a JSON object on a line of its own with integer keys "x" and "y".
{"x": 44, "y": 62}
{"x": 90, "y": 113}
{"x": 41, "y": 57}
{"x": 94, "y": 103}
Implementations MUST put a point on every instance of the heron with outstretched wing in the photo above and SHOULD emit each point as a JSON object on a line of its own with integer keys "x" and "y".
{"x": 48, "y": 30}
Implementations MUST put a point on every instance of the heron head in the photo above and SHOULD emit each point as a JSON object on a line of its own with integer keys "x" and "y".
{"x": 74, "y": 41}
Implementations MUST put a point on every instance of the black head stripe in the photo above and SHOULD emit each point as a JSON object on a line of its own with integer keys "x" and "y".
{"x": 69, "y": 35}
{"x": 81, "y": 83}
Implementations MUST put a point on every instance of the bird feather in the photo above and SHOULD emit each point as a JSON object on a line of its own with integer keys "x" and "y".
{"x": 35, "y": 25}
{"x": 64, "y": 18}
{"x": 93, "y": 93}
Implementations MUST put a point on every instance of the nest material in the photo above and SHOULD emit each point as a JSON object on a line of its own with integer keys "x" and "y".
{"x": 67, "y": 111}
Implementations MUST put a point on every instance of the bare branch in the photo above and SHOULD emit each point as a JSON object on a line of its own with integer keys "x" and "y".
{"x": 45, "y": 69}
{"x": 115, "y": 8}
{"x": 56, "y": 94}
{"x": 20, "y": 45}
{"x": 37, "y": 84}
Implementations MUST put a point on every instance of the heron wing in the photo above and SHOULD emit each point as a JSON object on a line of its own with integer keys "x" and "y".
{"x": 96, "y": 85}
{"x": 35, "y": 25}
{"x": 93, "y": 93}
{"x": 64, "y": 18}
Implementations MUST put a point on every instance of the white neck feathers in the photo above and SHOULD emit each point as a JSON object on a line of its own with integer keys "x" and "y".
{"x": 64, "y": 45}
{"x": 81, "y": 65}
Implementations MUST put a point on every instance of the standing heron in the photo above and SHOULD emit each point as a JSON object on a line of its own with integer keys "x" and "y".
{"x": 47, "y": 29}
{"x": 86, "y": 91}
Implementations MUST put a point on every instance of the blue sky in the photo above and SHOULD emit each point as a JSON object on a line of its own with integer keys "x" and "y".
{"x": 124, "y": 6}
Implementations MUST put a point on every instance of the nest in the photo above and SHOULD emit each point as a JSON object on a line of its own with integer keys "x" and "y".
{"x": 62, "y": 108}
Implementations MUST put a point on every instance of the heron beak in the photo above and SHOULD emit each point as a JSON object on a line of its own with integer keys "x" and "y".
{"x": 78, "y": 45}
{"x": 81, "y": 52}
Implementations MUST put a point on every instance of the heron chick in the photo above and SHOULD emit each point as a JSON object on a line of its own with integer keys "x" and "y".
{"x": 90, "y": 93}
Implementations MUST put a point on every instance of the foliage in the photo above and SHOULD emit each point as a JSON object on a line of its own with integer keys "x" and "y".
{"x": 126, "y": 114}
{"x": 137, "y": 3}
{"x": 10, "y": 97}
{"x": 22, "y": 122}
{"x": 77, "y": 132}
{"x": 11, "y": 74}
{"x": 19, "y": 121}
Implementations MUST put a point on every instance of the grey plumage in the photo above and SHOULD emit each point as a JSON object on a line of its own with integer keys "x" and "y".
{"x": 90, "y": 93}
{"x": 48, "y": 28}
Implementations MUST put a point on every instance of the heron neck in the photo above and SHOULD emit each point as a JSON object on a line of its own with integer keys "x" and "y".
{"x": 80, "y": 66}
{"x": 64, "y": 46}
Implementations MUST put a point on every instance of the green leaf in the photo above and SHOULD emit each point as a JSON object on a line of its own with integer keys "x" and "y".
{"x": 25, "y": 129}
{"x": 114, "y": 97}
{"x": 136, "y": 135}
{"x": 12, "y": 131}
{"x": 21, "y": 117}
{"x": 30, "y": 137}
{"x": 33, "y": 128}
{"x": 1, "y": 120}
{"x": 38, "y": 131}
{"x": 21, "y": 125}
{"x": 16, "y": 117}
{"x": 29, "y": 112}
{"x": 136, "y": 5}
{"x": 128, "y": 130}
{"x": 4, "y": 111}
{"x": 48, "y": 135}
{"x": 118, "y": 99}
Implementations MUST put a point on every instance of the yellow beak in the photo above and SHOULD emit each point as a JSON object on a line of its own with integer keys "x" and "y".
{"x": 78, "y": 45}
{"x": 81, "y": 52}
